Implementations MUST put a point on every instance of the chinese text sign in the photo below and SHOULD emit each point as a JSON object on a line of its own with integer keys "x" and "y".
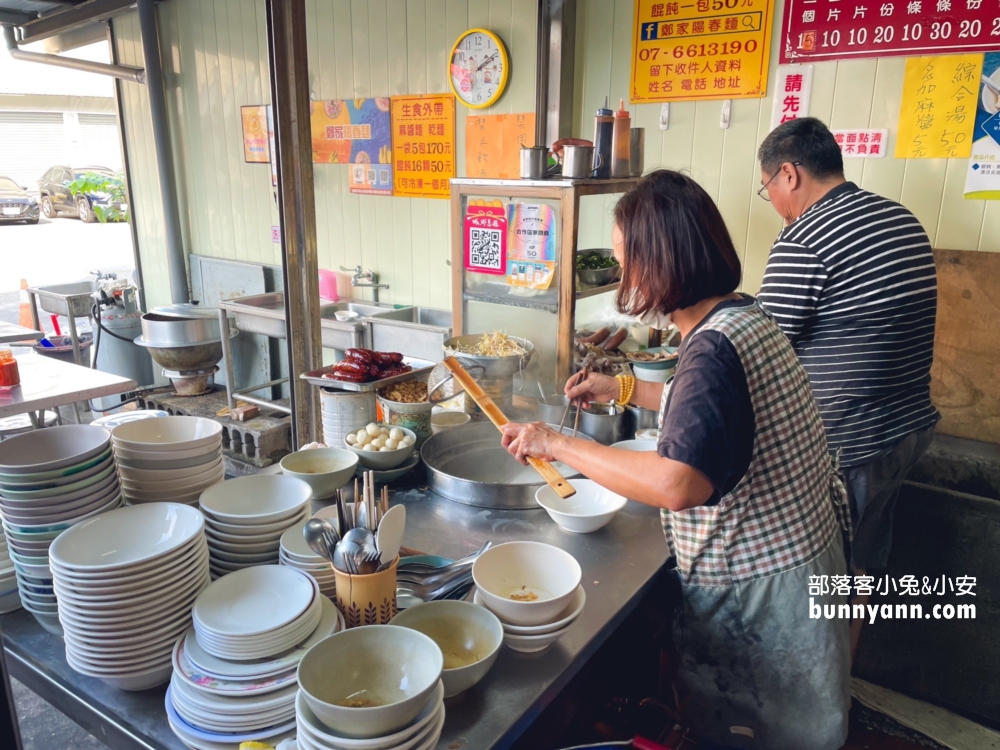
{"x": 423, "y": 145}
{"x": 862, "y": 144}
{"x": 846, "y": 29}
{"x": 792, "y": 91}
{"x": 982, "y": 181}
{"x": 255, "y": 144}
{"x": 700, "y": 49}
{"x": 486, "y": 237}
{"x": 493, "y": 144}
{"x": 938, "y": 111}
{"x": 355, "y": 132}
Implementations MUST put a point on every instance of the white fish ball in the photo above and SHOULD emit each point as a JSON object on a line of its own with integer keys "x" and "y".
{"x": 351, "y": 438}
{"x": 373, "y": 429}
{"x": 391, "y": 444}
{"x": 364, "y": 438}
{"x": 397, "y": 434}
{"x": 370, "y": 447}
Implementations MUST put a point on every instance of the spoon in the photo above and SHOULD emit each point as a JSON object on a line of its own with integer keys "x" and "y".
{"x": 389, "y": 536}
{"x": 351, "y": 549}
{"x": 322, "y": 537}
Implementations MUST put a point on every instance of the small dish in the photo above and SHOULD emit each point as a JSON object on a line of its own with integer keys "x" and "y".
{"x": 591, "y": 508}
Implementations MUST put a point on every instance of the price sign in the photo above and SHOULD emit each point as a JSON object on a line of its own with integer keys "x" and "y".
{"x": 692, "y": 50}
{"x": 845, "y": 29}
{"x": 423, "y": 145}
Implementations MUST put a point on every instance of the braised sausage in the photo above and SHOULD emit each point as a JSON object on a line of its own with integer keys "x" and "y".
{"x": 615, "y": 341}
{"x": 351, "y": 377}
{"x": 356, "y": 367}
{"x": 596, "y": 338}
{"x": 362, "y": 355}
{"x": 390, "y": 372}
{"x": 387, "y": 359}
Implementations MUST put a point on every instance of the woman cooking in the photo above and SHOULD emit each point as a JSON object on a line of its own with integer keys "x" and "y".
{"x": 751, "y": 503}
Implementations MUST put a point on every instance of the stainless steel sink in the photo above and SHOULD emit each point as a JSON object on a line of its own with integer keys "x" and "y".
{"x": 363, "y": 309}
{"x": 68, "y": 300}
{"x": 414, "y": 331}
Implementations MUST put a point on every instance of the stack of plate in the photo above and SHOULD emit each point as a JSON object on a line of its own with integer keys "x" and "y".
{"x": 169, "y": 459}
{"x": 50, "y": 480}
{"x": 228, "y": 701}
{"x": 9, "y": 599}
{"x": 126, "y": 581}
{"x": 246, "y": 517}
{"x": 295, "y": 553}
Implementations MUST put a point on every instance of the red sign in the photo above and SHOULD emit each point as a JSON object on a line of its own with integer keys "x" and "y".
{"x": 486, "y": 237}
{"x": 846, "y": 29}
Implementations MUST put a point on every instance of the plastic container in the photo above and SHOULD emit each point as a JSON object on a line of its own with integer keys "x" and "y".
{"x": 328, "y": 285}
{"x": 416, "y": 417}
{"x": 9, "y": 375}
{"x": 63, "y": 349}
{"x": 343, "y": 410}
{"x": 604, "y": 124}
{"x": 621, "y": 164}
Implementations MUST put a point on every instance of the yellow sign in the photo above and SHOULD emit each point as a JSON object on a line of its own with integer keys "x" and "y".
{"x": 423, "y": 145}
{"x": 938, "y": 112}
{"x": 255, "y": 144}
{"x": 700, "y": 49}
{"x": 493, "y": 144}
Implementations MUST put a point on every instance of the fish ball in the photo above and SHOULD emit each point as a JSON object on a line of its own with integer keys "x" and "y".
{"x": 373, "y": 429}
{"x": 370, "y": 447}
{"x": 397, "y": 434}
{"x": 351, "y": 438}
{"x": 391, "y": 444}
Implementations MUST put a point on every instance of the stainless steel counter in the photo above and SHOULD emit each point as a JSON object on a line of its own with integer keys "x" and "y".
{"x": 619, "y": 563}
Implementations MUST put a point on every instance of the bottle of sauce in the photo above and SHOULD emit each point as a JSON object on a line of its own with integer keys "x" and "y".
{"x": 621, "y": 165}
{"x": 604, "y": 124}
{"x": 9, "y": 376}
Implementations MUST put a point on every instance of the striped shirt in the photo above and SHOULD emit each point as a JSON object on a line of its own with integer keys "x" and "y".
{"x": 852, "y": 283}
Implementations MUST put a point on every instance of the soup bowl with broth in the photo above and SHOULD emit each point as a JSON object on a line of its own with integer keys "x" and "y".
{"x": 469, "y": 637}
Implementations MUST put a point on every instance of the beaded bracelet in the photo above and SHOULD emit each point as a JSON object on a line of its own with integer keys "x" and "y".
{"x": 626, "y": 388}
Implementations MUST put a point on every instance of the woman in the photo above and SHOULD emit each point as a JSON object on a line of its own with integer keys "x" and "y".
{"x": 751, "y": 503}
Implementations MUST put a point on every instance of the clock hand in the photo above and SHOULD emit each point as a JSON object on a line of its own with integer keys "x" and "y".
{"x": 486, "y": 61}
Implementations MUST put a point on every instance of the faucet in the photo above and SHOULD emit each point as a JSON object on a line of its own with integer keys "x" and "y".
{"x": 365, "y": 278}
{"x": 100, "y": 276}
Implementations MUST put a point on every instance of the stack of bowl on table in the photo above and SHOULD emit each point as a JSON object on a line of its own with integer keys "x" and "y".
{"x": 295, "y": 553}
{"x": 169, "y": 459}
{"x": 51, "y": 479}
{"x": 9, "y": 597}
{"x": 533, "y": 588}
{"x": 126, "y": 581}
{"x": 246, "y": 517}
{"x": 371, "y": 688}
{"x": 235, "y": 671}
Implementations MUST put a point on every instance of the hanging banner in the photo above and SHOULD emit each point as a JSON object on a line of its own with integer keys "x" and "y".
{"x": 531, "y": 251}
{"x": 862, "y": 144}
{"x": 792, "y": 92}
{"x": 706, "y": 49}
{"x": 355, "y": 132}
{"x": 255, "y": 144}
{"x": 486, "y": 237}
{"x": 938, "y": 110}
{"x": 423, "y": 146}
{"x": 493, "y": 144}
{"x": 983, "y": 179}
{"x": 836, "y": 31}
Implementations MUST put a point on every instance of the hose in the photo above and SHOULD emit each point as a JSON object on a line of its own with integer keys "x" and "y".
{"x": 95, "y": 313}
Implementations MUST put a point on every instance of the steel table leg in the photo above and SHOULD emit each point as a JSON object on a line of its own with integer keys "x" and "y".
{"x": 227, "y": 358}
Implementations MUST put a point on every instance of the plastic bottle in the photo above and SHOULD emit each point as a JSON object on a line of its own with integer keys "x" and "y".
{"x": 620, "y": 159}
{"x": 9, "y": 376}
{"x": 604, "y": 124}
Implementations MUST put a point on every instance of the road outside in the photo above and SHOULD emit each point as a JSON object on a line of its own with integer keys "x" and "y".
{"x": 58, "y": 251}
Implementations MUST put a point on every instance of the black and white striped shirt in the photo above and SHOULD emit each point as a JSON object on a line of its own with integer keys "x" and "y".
{"x": 852, "y": 283}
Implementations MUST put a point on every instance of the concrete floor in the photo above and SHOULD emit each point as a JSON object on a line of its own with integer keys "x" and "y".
{"x": 45, "y": 728}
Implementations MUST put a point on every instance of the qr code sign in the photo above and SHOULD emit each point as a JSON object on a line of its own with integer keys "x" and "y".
{"x": 484, "y": 248}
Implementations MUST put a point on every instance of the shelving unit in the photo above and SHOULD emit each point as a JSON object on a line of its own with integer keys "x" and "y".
{"x": 566, "y": 194}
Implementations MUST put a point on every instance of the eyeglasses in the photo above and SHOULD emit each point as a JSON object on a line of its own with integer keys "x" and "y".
{"x": 762, "y": 193}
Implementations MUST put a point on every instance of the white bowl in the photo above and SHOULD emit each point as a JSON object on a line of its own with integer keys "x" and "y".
{"x": 397, "y": 668}
{"x": 382, "y": 460}
{"x": 181, "y": 455}
{"x": 325, "y": 470}
{"x": 469, "y": 638}
{"x": 636, "y": 446}
{"x": 526, "y": 568}
{"x": 566, "y": 617}
{"x": 214, "y": 473}
{"x": 195, "y": 489}
{"x": 530, "y": 644}
{"x": 652, "y": 376}
{"x": 591, "y": 508}
{"x": 423, "y": 734}
{"x": 72, "y": 510}
{"x": 167, "y": 434}
{"x": 62, "y": 447}
{"x": 170, "y": 475}
{"x": 106, "y": 460}
{"x": 67, "y": 490}
{"x": 155, "y": 464}
{"x": 253, "y": 500}
{"x": 445, "y": 420}
{"x": 124, "y": 537}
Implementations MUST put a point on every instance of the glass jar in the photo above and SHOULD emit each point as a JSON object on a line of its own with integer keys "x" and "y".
{"x": 9, "y": 376}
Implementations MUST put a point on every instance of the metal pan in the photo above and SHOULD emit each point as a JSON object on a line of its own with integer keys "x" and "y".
{"x": 421, "y": 367}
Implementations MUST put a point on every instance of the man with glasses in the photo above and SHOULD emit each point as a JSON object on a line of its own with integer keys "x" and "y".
{"x": 852, "y": 283}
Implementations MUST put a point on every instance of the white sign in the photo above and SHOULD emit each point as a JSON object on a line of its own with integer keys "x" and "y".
{"x": 862, "y": 144}
{"x": 792, "y": 91}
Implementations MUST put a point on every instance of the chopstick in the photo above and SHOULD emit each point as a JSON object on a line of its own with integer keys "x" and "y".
{"x": 579, "y": 403}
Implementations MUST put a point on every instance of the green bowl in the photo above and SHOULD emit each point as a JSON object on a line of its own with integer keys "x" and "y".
{"x": 663, "y": 364}
{"x": 41, "y": 477}
{"x": 66, "y": 489}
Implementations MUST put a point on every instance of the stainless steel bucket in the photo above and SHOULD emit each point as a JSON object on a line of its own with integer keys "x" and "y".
{"x": 605, "y": 423}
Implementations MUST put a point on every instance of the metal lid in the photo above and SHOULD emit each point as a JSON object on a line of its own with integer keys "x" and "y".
{"x": 187, "y": 310}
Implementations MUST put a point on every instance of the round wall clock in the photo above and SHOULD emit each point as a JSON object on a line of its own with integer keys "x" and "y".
{"x": 479, "y": 68}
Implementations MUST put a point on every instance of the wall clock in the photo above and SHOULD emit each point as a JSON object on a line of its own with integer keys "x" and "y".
{"x": 479, "y": 68}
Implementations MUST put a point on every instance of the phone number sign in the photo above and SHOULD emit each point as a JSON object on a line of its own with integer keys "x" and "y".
{"x": 700, "y": 49}
{"x": 845, "y": 29}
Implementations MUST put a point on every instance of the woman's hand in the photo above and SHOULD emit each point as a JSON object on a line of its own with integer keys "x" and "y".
{"x": 595, "y": 387}
{"x": 534, "y": 439}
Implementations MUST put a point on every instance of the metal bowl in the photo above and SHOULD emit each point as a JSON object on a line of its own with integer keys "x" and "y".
{"x": 598, "y": 276}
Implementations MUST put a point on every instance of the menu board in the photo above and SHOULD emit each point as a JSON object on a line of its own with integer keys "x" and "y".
{"x": 355, "y": 132}
{"x": 701, "y": 49}
{"x": 423, "y": 145}
{"x": 938, "y": 110}
{"x": 845, "y": 29}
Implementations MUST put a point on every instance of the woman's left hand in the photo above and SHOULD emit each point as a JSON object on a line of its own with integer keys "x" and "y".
{"x": 530, "y": 439}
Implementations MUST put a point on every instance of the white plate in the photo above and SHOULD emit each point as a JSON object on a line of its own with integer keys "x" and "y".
{"x": 254, "y": 601}
{"x": 264, "y": 648}
{"x": 207, "y": 684}
{"x": 126, "y": 680}
{"x": 87, "y": 579}
{"x": 235, "y": 558}
{"x": 255, "y": 500}
{"x": 213, "y": 532}
{"x": 124, "y": 537}
{"x": 113, "y": 420}
{"x": 153, "y": 577}
{"x": 158, "y": 466}
{"x": 132, "y": 455}
{"x": 212, "y": 703}
{"x": 250, "y": 548}
{"x": 167, "y": 434}
{"x": 196, "y": 744}
{"x": 47, "y": 514}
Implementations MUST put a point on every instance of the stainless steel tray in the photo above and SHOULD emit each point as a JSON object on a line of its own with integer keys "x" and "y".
{"x": 420, "y": 367}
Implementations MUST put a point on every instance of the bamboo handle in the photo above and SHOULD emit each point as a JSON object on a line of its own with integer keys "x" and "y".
{"x": 548, "y": 472}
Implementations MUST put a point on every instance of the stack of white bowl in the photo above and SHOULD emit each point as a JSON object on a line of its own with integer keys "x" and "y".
{"x": 126, "y": 581}
{"x": 246, "y": 517}
{"x": 544, "y": 582}
{"x": 9, "y": 598}
{"x": 50, "y": 480}
{"x": 295, "y": 553}
{"x": 398, "y": 667}
{"x": 235, "y": 671}
{"x": 168, "y": 459}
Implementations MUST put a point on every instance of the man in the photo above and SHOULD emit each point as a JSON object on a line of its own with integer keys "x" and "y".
{"x": 852, "y": 283}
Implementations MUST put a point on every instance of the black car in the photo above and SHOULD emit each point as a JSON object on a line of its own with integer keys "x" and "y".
{"x": 16, "y": 204}
{"x": 56, "y": 198}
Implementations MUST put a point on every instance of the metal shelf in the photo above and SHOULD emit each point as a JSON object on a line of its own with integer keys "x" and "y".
{"x": 595, "y": 290}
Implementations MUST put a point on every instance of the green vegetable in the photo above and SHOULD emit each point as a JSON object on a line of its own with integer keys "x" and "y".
{"x": 593, "y": 261}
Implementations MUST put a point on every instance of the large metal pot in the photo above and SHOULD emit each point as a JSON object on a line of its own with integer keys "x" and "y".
{"x": 498, "y": 372}
{"x": 170, "y": 331}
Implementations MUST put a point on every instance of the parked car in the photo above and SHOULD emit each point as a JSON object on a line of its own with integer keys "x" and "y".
{"x": 56, "y": 197}
{"x": 16, "y": 204}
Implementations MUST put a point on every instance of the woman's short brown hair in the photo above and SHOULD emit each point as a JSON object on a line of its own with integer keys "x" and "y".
{"x": 677, "y": 248}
